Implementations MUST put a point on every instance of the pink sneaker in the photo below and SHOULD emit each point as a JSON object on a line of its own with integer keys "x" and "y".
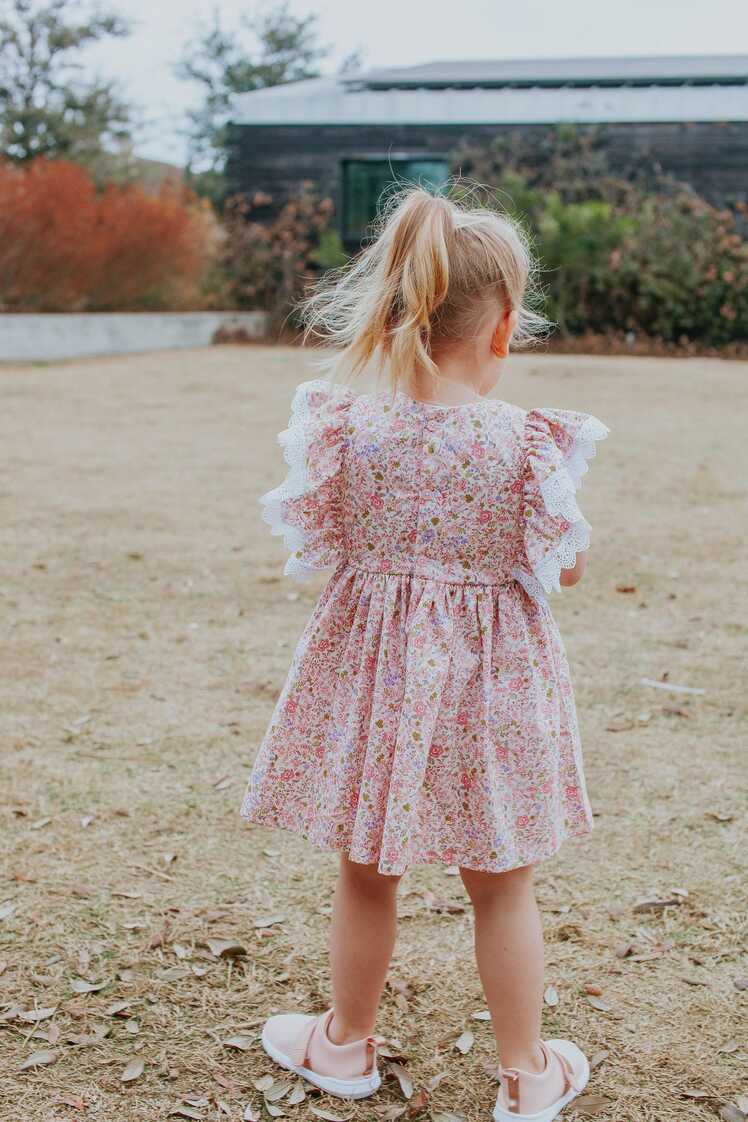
{"x": 300, "y": 1043}
{"x": 541, "y": 1097}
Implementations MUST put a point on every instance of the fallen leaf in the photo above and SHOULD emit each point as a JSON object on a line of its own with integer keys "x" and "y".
{"x": 694, "y": 1093}
{"x": 741, "y": 984}
{"x": 278, "y": 1090}
{"x": 729, "y": 1047}
{"x": 264, "y": 1082}
{"x": 418, "y": 1103}
{"x": 298, "y": 1095}
{"x": 731, "y": 1113}
{"x": 274, "y": 1111}
{"x": 657, "y": 905}
{"x": 71, "y": 1100}
{"x": 268, "y": 921}
{"x": 225, "y": 948}
{"x": 184, "y": 1112}
{"x": 481, "y": 1015}
{"x": 40, "y": 823}
{"x": 464, "y": 1042}
{"x": 742, "y": 1103}
{"x": 243, "y": 1043}
{"x": 117, "y": 1008}
{"x": 590, "y": 1104}
{"x": 35, "y": 1015}
{"x": 328, "y": 1116}
{"x": 718, "y": 817}
{"x": 620, "y": 726}
{"x": 133, "y": 1070}
{"x": 391, "y": 1112}
{"x": 174, "y": 973}
{"x": 403, "y": 1077}
{"x": 432, "y": 1083}
{"x": 597, "y": 1059}
{"x": 593, "y": 990}
{"x": 401, "y": 988}
{"x": 550, "y": 997}
{"x": 451, "y": 907}
{"x": 132, "y": 1026}
{"x": 623, "y": 950}
{"x": 79, "y": 985}
{"x": 39, "y": 1059}
{"x": 626, "y": 588}
{"x": 596, "y": 1003}
{"x": 7, "y": 910}
{"x": 671, "y": 686}
{"x": 250, "y": 1114}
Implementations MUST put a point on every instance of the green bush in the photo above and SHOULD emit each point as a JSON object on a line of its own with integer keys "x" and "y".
{"x": 644, "y": 255}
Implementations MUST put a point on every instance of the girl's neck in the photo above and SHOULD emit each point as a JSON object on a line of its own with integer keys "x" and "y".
{"x": 458, "y": 382}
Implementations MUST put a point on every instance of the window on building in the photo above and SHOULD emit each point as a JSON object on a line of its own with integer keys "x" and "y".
{"x": 364, "y": 181}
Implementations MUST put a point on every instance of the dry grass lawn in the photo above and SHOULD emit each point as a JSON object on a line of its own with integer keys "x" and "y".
{"x": 146, "y": 633}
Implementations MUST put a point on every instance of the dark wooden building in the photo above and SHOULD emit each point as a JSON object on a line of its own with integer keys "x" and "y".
{"x": 351, "y": 135}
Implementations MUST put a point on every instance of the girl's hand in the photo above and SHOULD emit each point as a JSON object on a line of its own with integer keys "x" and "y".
{"x": 570, "y": 577}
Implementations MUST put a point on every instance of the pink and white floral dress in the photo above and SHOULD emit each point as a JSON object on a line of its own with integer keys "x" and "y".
{"x": 428, "y": 715}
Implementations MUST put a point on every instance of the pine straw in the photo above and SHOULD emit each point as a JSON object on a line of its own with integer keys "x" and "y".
{"x": 147, "y": 632}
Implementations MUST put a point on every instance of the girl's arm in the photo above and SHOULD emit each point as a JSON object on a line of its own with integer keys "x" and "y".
{"x": 570, "y": 577}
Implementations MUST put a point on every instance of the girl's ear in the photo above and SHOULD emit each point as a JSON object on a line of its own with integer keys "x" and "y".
{"x": 502, "y": 335}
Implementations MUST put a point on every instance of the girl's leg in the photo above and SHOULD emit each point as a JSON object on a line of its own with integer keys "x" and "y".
{"x": 362, "y": 938}
{"x": 509, "y": 953}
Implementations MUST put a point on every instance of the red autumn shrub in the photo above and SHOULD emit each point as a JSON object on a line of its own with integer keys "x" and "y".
{"x": 49, "y": 256}
{"x": 65, "y": 247}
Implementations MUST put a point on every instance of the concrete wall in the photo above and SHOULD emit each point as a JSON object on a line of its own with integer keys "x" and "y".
{"x": 40, "y": 336}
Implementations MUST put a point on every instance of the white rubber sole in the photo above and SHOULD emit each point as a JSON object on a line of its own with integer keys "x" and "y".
{"x": 552, "y": 1111}
{"x": 343, "y": 1088}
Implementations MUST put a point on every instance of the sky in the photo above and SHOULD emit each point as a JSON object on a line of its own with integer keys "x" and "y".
{"x": 404, "y": 32}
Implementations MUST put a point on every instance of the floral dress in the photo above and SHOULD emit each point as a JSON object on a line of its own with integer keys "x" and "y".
{"x": 428, "y": 715}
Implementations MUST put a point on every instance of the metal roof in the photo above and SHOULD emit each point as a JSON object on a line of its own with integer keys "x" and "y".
{"x": 336, "y": 101}
{"x": 644, "y": 70}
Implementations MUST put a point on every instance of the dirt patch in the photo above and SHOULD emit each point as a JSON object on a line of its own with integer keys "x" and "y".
{"x": 146, "y": 633}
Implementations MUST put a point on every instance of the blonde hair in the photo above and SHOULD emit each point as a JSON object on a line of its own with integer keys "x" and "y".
{"x": 434, "y": 270}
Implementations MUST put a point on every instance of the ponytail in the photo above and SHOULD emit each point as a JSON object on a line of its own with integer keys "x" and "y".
{"x": 431, "y": 266}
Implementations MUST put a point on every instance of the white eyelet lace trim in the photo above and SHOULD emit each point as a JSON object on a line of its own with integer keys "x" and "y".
{"x": 295, "y": 444}
{"x": 558, "y": 492}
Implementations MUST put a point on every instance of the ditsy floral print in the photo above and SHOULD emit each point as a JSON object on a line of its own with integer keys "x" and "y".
{"x": 428, "y": 715}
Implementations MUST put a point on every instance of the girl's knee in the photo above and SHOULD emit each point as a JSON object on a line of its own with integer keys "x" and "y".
{"x": 491, "y": 886}
{"x": 367, "y": 877}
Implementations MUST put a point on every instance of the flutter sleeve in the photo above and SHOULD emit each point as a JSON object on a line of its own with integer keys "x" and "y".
{"x": 558, "y": 443}
{"x": 306, "y": 509}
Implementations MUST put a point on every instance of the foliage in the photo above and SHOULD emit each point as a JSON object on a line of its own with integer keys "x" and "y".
{"x": 633, "y": 253}
{"x": 64, "y": 246}
{"x": 267, "y": 48}
{"x": 46, "y": 108}
{"x": 268, "y": 263}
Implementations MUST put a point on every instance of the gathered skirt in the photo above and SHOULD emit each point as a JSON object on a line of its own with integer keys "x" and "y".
{"x": 425, "y": 721}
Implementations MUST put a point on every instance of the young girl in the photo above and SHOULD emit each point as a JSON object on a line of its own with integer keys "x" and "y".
{"x": 428, "y": 716}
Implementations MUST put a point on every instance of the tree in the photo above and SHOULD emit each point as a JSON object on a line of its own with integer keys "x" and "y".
{"x": 46, "y": 107}
{"x": 268, "y": 48}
